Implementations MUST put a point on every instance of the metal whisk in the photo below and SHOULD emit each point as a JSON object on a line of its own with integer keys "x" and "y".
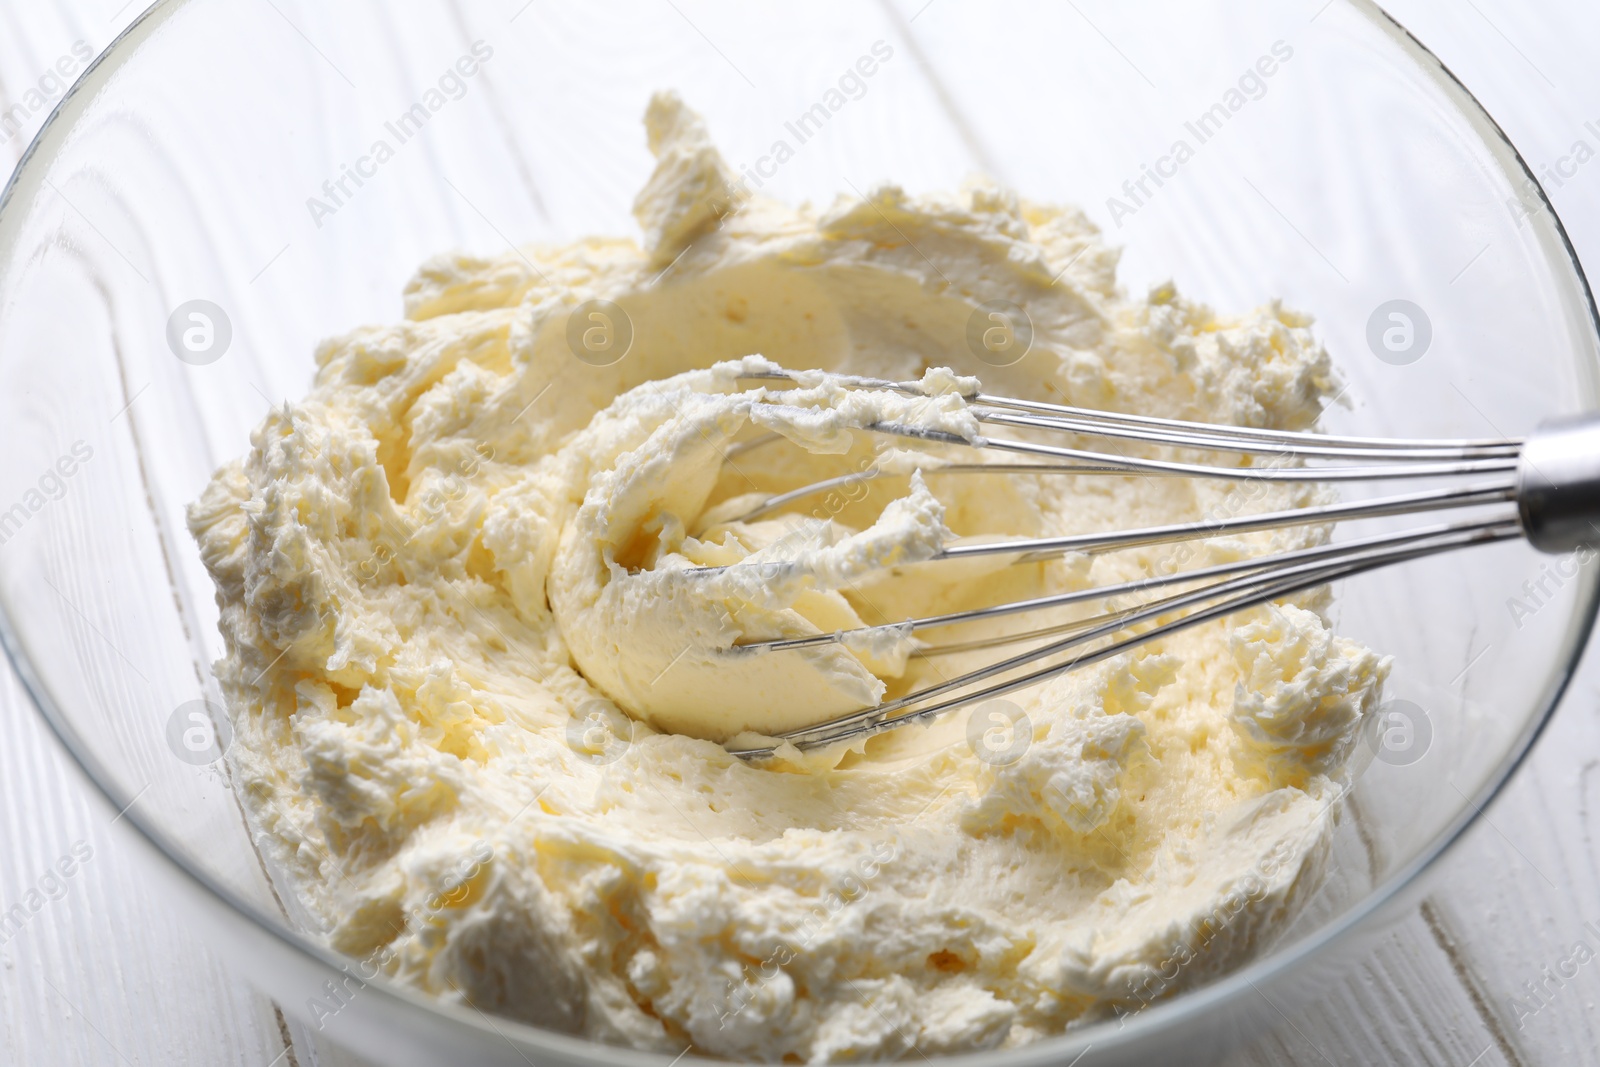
{"x": 1547, "y": 487}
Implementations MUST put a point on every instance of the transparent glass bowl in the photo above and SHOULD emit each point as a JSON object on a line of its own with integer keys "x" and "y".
{"x": 181, "y": 168}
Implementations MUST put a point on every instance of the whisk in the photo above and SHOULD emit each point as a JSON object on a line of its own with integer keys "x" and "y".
{"x": 1545, "y": 488}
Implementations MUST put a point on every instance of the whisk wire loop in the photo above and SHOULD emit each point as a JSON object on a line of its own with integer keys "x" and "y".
{"x": 1489, "y": 473}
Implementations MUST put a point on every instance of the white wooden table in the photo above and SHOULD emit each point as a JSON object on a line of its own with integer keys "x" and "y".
{"x": 108, "y": 975}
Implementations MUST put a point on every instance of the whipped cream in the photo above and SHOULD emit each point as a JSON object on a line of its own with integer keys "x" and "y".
{"x": 477, "y": 695}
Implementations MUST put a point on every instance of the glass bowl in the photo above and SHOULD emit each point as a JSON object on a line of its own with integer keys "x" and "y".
{"x": 1331, "y": 161}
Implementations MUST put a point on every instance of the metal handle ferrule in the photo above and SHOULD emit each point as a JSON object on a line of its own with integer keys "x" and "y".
{"x": 1558, "y": 484}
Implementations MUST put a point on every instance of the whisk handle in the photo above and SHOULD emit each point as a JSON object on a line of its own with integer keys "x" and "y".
{"x": 1558, "y": 484}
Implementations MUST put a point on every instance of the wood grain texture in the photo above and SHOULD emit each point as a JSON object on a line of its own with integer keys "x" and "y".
{"x": 111, "y": 974}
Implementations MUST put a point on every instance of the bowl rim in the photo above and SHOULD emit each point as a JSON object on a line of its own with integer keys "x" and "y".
{"x": 1147, "y": 1022}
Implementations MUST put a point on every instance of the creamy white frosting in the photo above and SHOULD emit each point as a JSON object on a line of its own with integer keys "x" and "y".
{"x": 656, "y": 637}
{"x": 465, "y": 660}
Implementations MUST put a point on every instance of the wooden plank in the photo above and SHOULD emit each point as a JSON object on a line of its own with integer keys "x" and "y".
{"x": 100, "y": 975}
{"x": 105, "y": 972}
{"x": 1399, "y": 1007}
{"x": 1522, "y": 891}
